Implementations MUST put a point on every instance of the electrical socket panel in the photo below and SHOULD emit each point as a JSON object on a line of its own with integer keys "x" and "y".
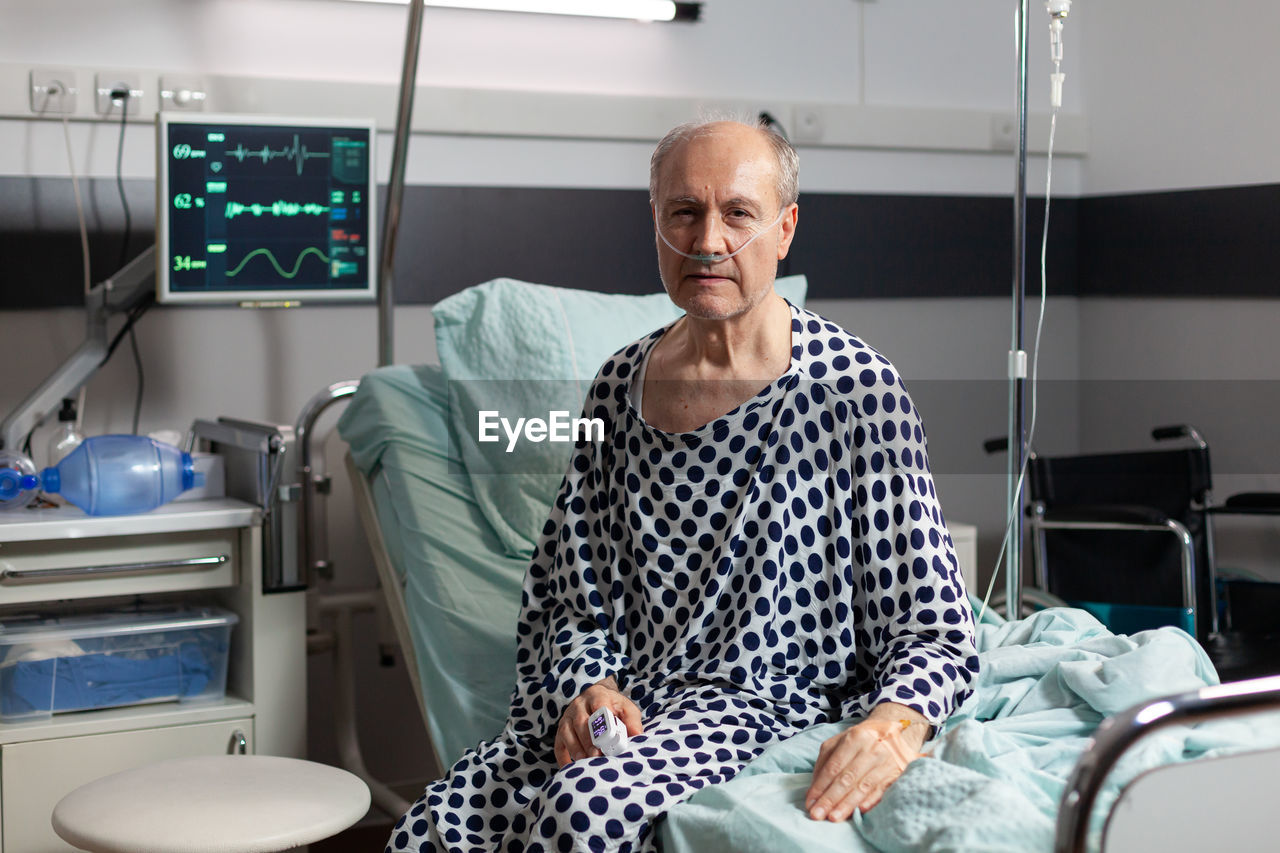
{"x": 1004, "y": 132}
{"x": 183, "y": 93}
{"x": 54, "y": 91}
{"x": 807, "y": 124}
{"x": 105, "y": 82}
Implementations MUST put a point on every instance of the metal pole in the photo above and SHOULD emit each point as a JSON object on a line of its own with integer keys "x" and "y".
{"x": 1017, "y": 361}
{"x": 313, "y": 556}
{"x": 395, "y": 187}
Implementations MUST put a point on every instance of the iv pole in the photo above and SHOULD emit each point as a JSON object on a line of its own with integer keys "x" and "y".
{"x": 1017, "y": 357}
{"x": 395, "y": 187}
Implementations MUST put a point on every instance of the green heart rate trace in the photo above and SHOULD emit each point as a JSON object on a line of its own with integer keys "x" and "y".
{"x": 297, "y": 151}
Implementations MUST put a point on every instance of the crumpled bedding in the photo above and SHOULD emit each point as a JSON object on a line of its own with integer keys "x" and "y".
{"x": 996, "y": 771}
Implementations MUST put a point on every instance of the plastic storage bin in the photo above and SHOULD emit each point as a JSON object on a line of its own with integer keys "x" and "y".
{"x": 50, "y": 665}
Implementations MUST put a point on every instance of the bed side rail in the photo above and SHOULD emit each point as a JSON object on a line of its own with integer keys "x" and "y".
{"x": 313, "y": 556}
{"x": 1117, "y": 733}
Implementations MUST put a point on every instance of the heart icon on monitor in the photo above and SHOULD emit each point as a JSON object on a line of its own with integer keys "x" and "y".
{"x": 217, "y": 167}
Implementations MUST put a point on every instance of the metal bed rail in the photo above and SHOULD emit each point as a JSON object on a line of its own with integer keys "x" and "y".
{"x": 335, "y": 609}
{"x": 312, "y": 551}
{"x": 1118, "y": 733}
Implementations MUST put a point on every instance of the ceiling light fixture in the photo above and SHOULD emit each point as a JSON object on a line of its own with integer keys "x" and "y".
{"x": 639, "y": 10}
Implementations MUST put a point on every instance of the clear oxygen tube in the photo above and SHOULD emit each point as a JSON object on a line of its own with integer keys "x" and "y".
{"x": 744, "y": 232}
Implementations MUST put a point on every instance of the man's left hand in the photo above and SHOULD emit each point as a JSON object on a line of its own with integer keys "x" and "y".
{"x": 857, "y": 766}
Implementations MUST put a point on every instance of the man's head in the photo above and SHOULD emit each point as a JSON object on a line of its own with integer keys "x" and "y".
{"x": 788, "y": 175}
{"x": 713, "y": 187}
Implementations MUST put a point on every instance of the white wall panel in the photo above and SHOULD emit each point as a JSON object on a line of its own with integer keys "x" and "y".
{"x": 888, "y": 76}
{"x": 1180, "y": 94}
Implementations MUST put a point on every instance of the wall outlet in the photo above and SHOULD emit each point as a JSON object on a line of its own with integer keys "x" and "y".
{"x": 183, "y": 93}
{"x": 807, "y": 124}
{"x": 106, "y": 82}
{"x": 1004, "y": 132}
{"x": 53, "y": 91}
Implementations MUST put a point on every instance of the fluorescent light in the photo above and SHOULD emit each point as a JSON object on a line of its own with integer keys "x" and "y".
{"x": 640, "y": 10}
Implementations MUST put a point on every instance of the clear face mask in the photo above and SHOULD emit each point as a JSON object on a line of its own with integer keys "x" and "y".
{"x": 746, "y": 232}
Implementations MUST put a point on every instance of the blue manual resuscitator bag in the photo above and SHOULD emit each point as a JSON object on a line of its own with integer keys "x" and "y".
{"x": 121, "y": 475}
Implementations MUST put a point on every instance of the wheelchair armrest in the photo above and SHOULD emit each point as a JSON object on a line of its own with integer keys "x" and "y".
{"x": 1165, "y": 433}
{"x": 1120, "y": 517}
{"x": 1104, "y": 514}
{"x": 1250, "y": 503}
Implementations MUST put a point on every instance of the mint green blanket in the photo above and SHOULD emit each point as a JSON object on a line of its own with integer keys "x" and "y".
{"x": 998, "y": 768}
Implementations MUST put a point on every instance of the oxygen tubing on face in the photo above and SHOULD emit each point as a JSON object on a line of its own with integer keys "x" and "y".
{"x": 708, "y": 260}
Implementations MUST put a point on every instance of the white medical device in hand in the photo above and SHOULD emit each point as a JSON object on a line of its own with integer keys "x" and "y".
{"x": 607, "y": 732}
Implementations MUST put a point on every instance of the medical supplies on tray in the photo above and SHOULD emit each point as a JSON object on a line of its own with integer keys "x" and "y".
{"x": 54, "y": 664}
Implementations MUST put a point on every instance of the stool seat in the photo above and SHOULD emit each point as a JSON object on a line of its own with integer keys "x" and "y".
{"x": 212, "y": 804}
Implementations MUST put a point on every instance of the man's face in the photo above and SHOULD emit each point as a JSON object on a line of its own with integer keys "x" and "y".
{"x": 715, "y": 192}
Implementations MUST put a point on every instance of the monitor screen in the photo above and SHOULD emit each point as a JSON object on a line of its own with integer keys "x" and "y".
{"x": 255, "y": 210}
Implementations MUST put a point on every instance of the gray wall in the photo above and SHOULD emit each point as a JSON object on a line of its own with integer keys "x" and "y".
{"x": 1176, "y": 99}
{"x": 1176, "y": 93}
{"x": 1213, "y": 364}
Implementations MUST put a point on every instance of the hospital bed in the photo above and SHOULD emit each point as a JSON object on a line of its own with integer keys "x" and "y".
{"x": 451, "y": 527}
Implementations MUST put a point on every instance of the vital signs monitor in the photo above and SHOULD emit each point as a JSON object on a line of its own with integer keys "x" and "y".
{"x": 264, "y": 211}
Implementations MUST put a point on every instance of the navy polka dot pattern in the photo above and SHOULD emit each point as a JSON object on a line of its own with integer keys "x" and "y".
{"x": 785, "y": 565}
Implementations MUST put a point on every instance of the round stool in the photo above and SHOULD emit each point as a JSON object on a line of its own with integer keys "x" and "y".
{"x": 212, "y": 804}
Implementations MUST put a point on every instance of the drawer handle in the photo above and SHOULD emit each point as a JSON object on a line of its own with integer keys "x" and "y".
{"x": 14, "y": 577}
{"x": 239, "y": 743}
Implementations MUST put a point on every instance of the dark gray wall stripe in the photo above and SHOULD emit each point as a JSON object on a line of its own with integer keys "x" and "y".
{"x": 1213, "y": 242}
{"x": 885, "y": 246}
{"x": 1208, "y": 242}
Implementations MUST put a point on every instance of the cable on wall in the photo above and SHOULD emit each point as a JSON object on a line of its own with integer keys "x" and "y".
{"x": 121, "y": 95}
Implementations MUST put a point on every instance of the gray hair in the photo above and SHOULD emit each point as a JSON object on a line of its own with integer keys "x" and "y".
{"x": 788, "y": 185}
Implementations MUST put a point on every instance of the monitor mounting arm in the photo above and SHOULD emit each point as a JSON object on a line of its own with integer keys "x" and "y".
{"x": 119, "y": 294}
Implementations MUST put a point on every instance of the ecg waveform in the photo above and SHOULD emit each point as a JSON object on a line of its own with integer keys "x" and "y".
{"x": 297, "y": 151}
{"x": 272, "y": 258}
{"x": 276, "y": 208}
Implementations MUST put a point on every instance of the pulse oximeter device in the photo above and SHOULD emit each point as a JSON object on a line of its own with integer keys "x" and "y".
{"x": 607, "y": 732}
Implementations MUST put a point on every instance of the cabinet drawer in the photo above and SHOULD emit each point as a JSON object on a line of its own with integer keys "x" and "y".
{"x": 40, "y": 570}
{"x": 35, "y": 775}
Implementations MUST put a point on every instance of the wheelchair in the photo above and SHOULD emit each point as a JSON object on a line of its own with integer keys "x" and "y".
{"x": 1128, "y": 537}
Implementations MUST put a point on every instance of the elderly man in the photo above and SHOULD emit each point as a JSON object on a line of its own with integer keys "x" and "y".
{"x": 755, "y": 548}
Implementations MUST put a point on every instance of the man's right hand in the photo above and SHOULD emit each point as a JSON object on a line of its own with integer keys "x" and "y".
{"x": 573, "y": 737}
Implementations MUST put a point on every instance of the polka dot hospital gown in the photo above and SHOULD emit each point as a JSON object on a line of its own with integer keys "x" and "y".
{"x": 784, "y": 565}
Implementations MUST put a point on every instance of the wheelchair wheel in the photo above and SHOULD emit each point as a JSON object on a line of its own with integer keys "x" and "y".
{"x": 1034, "y": 600}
